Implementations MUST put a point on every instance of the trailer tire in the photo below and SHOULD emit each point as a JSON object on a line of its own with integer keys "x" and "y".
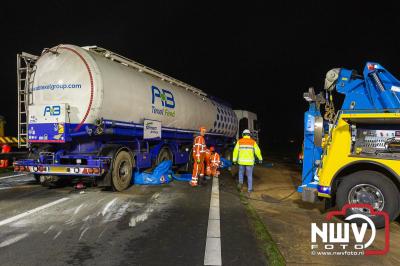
{"x": 188, "y": 167}
{"x": 121, "y": 175}
{"x": 228, "y": 154}
{"x": 369, "y": 187}
{"x": 164, "y": 155}
{"x": 37, "y": 178}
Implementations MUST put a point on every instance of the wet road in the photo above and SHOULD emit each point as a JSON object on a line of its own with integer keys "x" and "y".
{"x": 145, "y": 225}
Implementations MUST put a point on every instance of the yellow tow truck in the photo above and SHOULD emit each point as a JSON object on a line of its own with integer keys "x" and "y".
{"x": 353, "y": 156}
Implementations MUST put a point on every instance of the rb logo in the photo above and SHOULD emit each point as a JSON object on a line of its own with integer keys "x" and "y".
{"x": 54, "y": 110}
{"x": 166, "y": 97}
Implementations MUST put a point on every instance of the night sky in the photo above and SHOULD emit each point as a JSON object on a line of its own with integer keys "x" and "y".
{"x": 259, "y": 57}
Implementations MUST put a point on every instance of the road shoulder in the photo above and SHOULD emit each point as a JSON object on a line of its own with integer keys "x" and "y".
{"x": 239, "y": 242}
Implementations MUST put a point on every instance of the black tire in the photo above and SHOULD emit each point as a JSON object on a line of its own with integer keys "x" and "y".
{"x": 188, "y": 167}
{"x": 55, "y": 182}
{"x": 37, "y": 150}
{"x": 228, "y": 154}
{"x": 389, "y": 191}
{"x": 164, "y": 155}
{"x": 37, "y": 177}
{"x": 121, "y": 175}
{"x": 35, "y": 156}
{"x": 107, "y": 150}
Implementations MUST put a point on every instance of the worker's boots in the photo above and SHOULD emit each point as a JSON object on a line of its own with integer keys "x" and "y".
{"x": 239, "y": 186}
{"x": 202, "y": 181}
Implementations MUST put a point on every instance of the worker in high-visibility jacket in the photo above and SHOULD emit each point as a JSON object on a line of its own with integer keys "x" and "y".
{"x": 199, "y": 149}
{"x": 215, "y": 163}
{"x": 246, "y": 149}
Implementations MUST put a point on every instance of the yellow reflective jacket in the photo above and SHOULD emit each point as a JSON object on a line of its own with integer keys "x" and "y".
{"x": 244, "y": 151}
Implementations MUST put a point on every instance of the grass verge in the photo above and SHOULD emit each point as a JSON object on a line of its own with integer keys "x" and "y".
{"x": 269, "y": 247}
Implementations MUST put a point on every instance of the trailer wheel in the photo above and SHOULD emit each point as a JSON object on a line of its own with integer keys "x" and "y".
{"x": 228, "y": 154}
{"x": 122, "y": 171}
{"x": 188, "y": 167}
{"x": 369, "y": 187}
{"x": 37, "y": 178}
{"x": 164, "y": 155}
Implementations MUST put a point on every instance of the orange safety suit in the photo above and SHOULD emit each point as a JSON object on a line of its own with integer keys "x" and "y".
{"x": 215, "y": 162}
{"x": 207, "y": 156}
{"x": 199, "y": 149}
{"x": 5, "y": 149}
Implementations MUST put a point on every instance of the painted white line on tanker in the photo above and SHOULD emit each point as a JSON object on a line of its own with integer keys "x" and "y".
{"x": 24, "y": 214}
{"x": 9, "y": 176}
{"x": 212, "y": 255}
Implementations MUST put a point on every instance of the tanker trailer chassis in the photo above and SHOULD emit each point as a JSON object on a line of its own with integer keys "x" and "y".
{"x": 93, "y": 154}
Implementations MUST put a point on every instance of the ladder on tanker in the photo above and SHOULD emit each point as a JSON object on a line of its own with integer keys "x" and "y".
{"x": 25, "y": 70}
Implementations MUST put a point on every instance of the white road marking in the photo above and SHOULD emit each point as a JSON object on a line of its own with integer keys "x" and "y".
{"x": 78, "y": 208}
{"x": 155, "y": 196}
{"x": 24, "y": 214}
{"x": 147, "y": 212}
{"x": 83, "y": 232}
{"x": 212, "y": 255}
{"x": 141, "y": 217}
{"x": 48, "y": 229}
{"x": 57, "y": 235}
{"x": 13, "y": 240}
{"x": 116, "y": 212}
{"x": 213, "y": 251}
{"x": 16, "y": 187}
{"x": 213, "y": 228}
{"x": 102, "y": 232}
{"x": 9, "y": 176}
{"x": 104, "y": 211}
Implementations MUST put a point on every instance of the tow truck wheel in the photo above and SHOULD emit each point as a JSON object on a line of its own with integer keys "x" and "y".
{"x": 122, "y": 171}
{"x": 369, "y": 187}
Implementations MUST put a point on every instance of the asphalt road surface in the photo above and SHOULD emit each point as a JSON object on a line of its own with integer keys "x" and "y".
{"x": 145, "y": 225}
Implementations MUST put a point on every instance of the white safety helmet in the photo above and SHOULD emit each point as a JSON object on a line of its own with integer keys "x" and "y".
{"x": 246, "y": 132}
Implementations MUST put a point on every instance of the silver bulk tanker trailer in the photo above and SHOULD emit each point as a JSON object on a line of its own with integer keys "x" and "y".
{"x": 89, "y": 113}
